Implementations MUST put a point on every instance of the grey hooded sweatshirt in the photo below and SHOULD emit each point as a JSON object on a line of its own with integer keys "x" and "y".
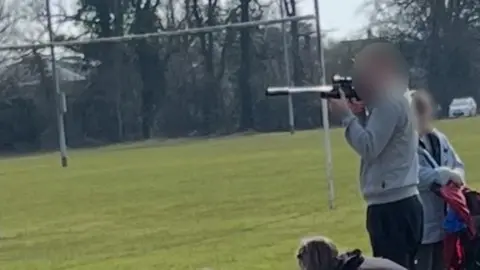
{"x": 387, "y": 144}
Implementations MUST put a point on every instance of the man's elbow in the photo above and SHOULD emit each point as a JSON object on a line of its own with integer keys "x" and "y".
{"x": 369, "y": 152}
{"x": 365, "y": 145}
{"x": 370, "y": 149}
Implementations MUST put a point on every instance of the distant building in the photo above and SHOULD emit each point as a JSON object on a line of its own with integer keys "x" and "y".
{"x": 27, "y": 73}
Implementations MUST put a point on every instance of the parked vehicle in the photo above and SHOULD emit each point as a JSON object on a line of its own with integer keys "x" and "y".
{"x": 460, "y": 107}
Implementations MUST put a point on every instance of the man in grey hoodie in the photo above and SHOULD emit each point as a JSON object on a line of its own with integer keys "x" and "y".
{"x": 387, "y": 143}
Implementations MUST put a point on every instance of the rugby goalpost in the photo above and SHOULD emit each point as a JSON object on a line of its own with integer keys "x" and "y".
{"x": 288, "y": 90}
{"x": 282, "y": 91}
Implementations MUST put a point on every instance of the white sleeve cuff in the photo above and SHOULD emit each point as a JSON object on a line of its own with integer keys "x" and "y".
{"x": 446, "y": 174}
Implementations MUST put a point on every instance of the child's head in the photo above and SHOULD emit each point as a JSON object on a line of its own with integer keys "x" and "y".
{"x": 317, "y": 253}
{"x": 424, "y": 112}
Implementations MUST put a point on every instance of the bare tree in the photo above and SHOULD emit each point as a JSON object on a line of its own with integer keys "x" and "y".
{"x": 442, "y": 38}
{"x": 13, "y": 19}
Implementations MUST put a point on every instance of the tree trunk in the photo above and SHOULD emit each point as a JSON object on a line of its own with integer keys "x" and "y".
{"x": 435, "y": 66}
{"x": 117, "y": 62}
{"x": 246, "y": 116}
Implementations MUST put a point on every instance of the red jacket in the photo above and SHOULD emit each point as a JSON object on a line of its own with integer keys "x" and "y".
{"x": 455, "y": 198}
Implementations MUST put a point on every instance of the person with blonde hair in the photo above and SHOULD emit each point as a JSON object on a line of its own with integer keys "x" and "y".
{"x": 320, "y": 253}
{"x": 439, "y": 164}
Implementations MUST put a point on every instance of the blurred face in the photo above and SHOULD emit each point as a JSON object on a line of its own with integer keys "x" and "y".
{"x": 369, "y": 76}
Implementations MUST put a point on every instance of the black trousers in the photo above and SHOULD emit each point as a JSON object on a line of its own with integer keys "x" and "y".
{"x": 430, "y": 257}
{"x": 396, "y": 230}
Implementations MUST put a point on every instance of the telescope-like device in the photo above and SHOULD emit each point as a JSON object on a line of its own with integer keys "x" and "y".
{"x": 326, "y": 91}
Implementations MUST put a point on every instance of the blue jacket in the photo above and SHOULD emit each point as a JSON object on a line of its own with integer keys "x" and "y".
{"x": 433, "y": 205}
{"x": 452, "y": 222}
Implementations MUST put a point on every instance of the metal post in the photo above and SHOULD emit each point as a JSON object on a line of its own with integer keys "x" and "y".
{"x": 325, "y": 120}
{"x": 291, "y": 116}
{"x": 60, "y": 122}
{"x": 162, "y": 34}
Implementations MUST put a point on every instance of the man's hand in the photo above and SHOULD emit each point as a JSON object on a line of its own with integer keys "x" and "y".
{"x": 356, "y": 106}
{"x": 340, "y": 107}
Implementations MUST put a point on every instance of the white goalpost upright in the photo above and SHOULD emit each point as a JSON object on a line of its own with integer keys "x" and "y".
{"x": 283, "y": 91}
{"x": 325, "y": 119}
{"x": 289, "y": 90}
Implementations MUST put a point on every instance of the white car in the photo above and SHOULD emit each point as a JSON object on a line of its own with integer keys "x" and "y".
{"x": 465, "y": 106}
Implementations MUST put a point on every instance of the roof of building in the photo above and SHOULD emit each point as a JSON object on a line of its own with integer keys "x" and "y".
{"x": 26, "y": 71}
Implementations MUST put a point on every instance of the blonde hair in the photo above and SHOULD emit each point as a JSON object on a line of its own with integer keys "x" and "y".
{"x": 422, "y": 102}
{"x": 317, "y": 253}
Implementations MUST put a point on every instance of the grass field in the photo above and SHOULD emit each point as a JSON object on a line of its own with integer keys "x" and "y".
{"x": 225, "y": 204}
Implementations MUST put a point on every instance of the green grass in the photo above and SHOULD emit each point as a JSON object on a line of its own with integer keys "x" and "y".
{"x": 229, "y": 204}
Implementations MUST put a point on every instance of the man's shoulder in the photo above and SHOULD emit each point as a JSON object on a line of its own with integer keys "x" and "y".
{"x": 400, "y": 102}
{"x": 393, "y": 106}
{"x": 396, "y": 101}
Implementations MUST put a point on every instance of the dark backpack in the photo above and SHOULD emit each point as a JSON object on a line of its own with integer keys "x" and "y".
{"x": 350, "y": 260}
{"x": 471, "y": 246}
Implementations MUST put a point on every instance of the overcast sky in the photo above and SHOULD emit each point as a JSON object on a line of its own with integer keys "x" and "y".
{"x": 342, "y": 17}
